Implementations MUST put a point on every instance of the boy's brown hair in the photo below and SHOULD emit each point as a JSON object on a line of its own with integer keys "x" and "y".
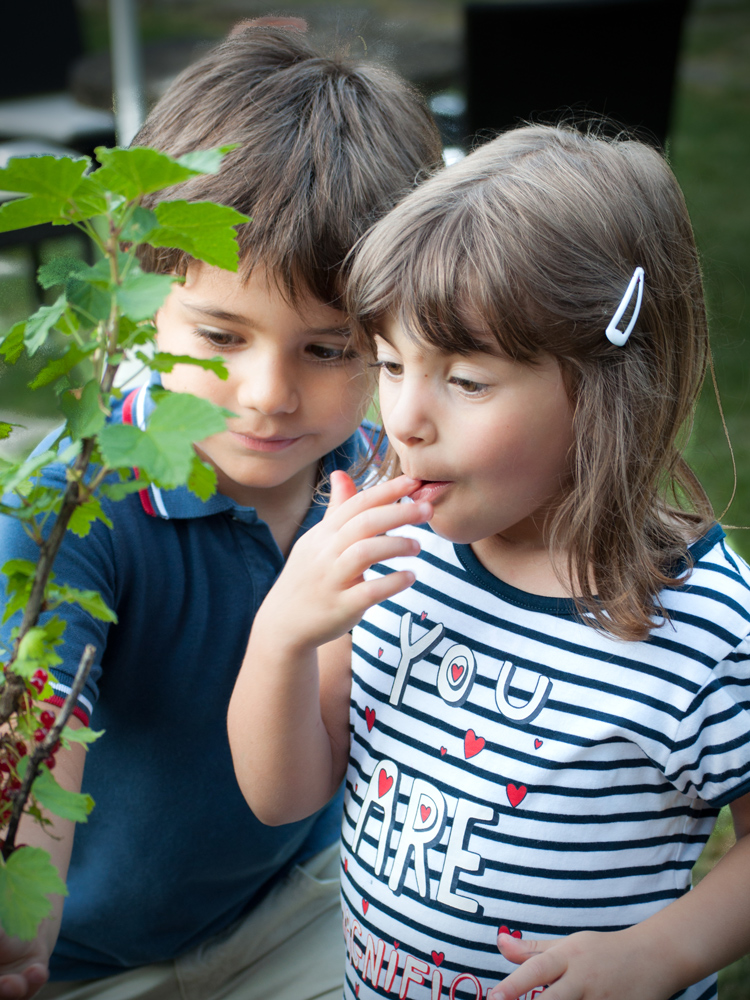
{"x": 326, "y": 147}
{"x": 534, "y": 237}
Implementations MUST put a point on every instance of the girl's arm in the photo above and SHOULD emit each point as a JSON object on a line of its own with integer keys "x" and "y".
{"x": 289, "y": 713}
{"x": 696, "y": 935}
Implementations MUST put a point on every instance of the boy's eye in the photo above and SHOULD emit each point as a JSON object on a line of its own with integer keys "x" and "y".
{"x": 219, "y": 338}
{"x": 327, "y": 352}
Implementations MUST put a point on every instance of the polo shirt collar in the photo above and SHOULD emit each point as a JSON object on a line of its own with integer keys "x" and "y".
{"x": 181, "y": 503}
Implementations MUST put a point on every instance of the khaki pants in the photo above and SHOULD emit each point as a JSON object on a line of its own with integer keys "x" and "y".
{"x": 290, "y": 947}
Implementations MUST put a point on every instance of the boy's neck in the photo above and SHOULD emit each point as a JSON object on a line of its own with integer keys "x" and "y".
{"x": 282, "y": 507}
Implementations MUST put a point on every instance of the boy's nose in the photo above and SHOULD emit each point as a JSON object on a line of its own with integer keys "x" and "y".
{"x": 266, "y": 386}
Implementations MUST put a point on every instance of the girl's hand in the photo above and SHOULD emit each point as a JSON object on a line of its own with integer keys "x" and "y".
{"x": 321, "y": 593}
{"x": 589, "y": 965}
{"x": 23, "y": 967}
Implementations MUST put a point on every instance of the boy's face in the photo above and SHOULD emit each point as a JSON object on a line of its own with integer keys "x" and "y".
{"x": 295, "y": 396}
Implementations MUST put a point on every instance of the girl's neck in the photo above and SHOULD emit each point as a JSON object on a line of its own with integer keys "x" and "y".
{"x": 525, "y": 564}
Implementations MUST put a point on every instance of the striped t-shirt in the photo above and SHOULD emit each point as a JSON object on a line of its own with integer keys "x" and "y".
{"x": 513, "y": 768}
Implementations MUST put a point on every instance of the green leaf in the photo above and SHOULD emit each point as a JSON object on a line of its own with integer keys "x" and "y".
{"x": 37, "y": 649}
{"x": 27, "y": 878}
{"x": 6, "y": 429}
{"x": 206, "y": 161}
{"x": 59, "y": 270}
{"x": 19, "y": 574}
{"x": 140, "y": 294}
{"x": 138, "y": 171}
{"x": 202, "y": 479}
{"x": 69, "y": 805}
{"x": 41, "y": 322}
{"x": 85, "y": 515}
{"x": 88, "y": 291}
{"x": 89, "y": 600}
{"x": 81, "y": 735}
{"x": 12, "y": 344}
{"x": 48, "y": 180}
{"x": 200, "y": 228}
{"x": 21, "y": 213}
{"x": 164, "y": 451}
{"x": 162, "y": 362}
{"x": 16, "y": 476}
{"x": 83, "y": 412}
{"x": 48, "y": 176}
{"x": 61, "y": 366}
{"x": 141, "y": 222}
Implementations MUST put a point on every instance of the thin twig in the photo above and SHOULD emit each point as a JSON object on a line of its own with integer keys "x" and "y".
{"x": 44, "y": 748}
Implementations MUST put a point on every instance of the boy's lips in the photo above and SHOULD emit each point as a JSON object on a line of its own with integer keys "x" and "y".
{"x": 264, "y": 443}
{"x": 430, "y": 489}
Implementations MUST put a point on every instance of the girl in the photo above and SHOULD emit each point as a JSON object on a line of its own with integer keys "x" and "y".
{"x": 549, "y": 702}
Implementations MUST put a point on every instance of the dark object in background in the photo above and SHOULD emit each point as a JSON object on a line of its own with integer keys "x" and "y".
{"x": 570, "y": 60}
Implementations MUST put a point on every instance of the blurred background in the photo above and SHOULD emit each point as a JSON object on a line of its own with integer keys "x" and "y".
{"x": 676, "y": 70}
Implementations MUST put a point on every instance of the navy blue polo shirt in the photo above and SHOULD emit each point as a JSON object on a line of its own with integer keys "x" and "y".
{"x": 172, "y": 853}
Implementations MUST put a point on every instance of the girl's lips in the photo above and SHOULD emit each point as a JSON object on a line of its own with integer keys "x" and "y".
{"x": 430, "y": 490}
{"x": 264, "y": 444}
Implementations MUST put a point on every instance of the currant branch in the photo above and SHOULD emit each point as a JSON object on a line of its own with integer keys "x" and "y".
{"x": 45, "y": 748}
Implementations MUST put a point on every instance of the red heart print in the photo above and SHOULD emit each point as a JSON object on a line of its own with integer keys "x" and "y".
{"x": 516, "y": 794}
{"x": 538, "y": 743}
{"x": 370, "y": 718}
{"x": 365, "y": 905}
{"x": 506, "y": 930}
{"x": 425, "y": 812}
{"x": 423, "y": 616}
{"x": 456, "y": 670}
{"x": 346, "y": 864}
{"x": 395, "y": 945}
{"x": 356, "y": 989}
{"x": 356, "y": 787}
{"x": 443, "y": 751}
{"x": 380, "y": 652}
{"x": 437, "y": 957}
{"x": 473, "y": 744}
{"x": 384, "y": 783}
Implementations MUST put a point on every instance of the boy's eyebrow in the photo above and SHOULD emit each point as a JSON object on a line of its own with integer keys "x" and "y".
{"x": 230, "y": 317}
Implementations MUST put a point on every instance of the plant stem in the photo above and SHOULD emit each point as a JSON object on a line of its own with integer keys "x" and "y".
{"x": 44, "y": 748}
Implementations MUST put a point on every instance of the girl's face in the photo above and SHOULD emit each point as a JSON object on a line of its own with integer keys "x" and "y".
{"x": 489, "y": 437}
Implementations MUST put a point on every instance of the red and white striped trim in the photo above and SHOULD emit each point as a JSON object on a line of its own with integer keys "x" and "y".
{"x": 134, "y": 413}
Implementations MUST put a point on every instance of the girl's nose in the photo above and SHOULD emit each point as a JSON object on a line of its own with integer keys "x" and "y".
{"x": 408, "y": 413}
{"x": 266, "y": 385}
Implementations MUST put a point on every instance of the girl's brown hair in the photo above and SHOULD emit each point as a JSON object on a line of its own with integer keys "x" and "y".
{"x": 535, "y": 236}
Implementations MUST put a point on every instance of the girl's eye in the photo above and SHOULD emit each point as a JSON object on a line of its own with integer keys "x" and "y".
{"x": 219, "y": 339}
{"x": 469, "y": 386}
{"x": 392, "y": 368}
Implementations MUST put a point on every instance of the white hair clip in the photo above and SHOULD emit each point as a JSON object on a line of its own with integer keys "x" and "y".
{"x": 619, "y": 337}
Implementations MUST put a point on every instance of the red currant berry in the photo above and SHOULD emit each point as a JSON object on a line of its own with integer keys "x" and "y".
{"x": 42, "y": 675}
{"x": 4, "y": 767}
{"x": 47, "y": 719}
{"x": 39, "y": 734}
{"x": 21, "y": 748}
{"x": 50, "y": 762}
{"x": 5, "y": 795}
{"x": 37, "y": 683}
{"x": 14, "y": 783}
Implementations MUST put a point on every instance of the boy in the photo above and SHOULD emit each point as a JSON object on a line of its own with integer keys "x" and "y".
{"x": 176, "y": 890}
